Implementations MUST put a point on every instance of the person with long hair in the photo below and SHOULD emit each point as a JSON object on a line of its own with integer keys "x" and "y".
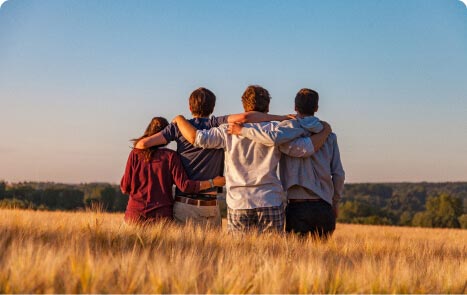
{"x": 149, "y": 177}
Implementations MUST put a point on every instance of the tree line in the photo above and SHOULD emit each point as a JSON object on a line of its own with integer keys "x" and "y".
{"x": 405, "y": 204}
{"x": 55, "y": 196}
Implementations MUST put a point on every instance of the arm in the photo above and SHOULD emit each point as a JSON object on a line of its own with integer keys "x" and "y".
{"x": 125, "y": 183}
{"x": 319, "y": 139}
{"x": 190, "y": 186}
{"x": 216, "y": 181}
{"x": 338, "y": 177}
{"x": 153, "y": 140}
{"x": 277, "y": 136}
{"x": 187, "y": 130}
{"x": 304, "y": 147}
{"x": 255, "y": 117}
{"x": 208, "y": 139}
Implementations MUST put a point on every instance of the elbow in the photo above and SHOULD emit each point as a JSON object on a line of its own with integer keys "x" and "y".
{"x": 192, "y": 140}
{"x": 244, "y": 118}
{"x": 142, "y": 144}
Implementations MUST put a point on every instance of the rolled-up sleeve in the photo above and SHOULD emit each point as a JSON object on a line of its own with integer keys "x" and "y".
{"x": 213, "y": 138}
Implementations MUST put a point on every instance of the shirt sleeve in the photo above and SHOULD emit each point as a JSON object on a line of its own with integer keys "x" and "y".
{"x": 213, "y": 138}
{"x": 278, "y": 135}
{"x": 337, "y": 173}
{"x": 217, "y": 121}
{"x": 180, "y": 177}
{"x": 170, "y": 132}
{"x": 125, "y": 183}
{"x": 301, "y": 147}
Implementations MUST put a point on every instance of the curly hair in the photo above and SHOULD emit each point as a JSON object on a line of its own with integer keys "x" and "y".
{"x": 256, "y": 98}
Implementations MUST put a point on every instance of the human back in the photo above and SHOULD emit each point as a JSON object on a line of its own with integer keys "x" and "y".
{"x": 251, "y": 171}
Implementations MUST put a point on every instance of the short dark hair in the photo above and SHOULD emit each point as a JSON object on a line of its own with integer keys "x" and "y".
{"x": 306, "y": 101}
{"x": 202, "y": 102}
{"x": 256, "y": 98}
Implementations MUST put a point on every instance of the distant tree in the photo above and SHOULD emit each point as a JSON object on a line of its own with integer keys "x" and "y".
{"x": 423, "y": 219}
{"x": 120, "y": 201}
{"x": 463, "y": 221}
{"x": 405, "y": 219}
{"x": 441, "y": 211}
{"x": 2, "y": 189}
{"x": 102, "y": 196}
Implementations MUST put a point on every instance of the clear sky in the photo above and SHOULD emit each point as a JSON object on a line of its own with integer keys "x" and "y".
{"x": 78, "y": 79}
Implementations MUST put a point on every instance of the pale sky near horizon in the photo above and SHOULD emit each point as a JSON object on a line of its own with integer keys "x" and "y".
{"x": 78, "y": 79}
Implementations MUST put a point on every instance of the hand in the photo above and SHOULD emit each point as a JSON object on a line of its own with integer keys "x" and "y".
{"x": 235, "y": 128}
{"x": 335, "y": 209}
{"x": 326, "y": 127}
{"x": 291, "y": 116}
{"x": 177, "y": 118}
{"x": 219, "y": 181}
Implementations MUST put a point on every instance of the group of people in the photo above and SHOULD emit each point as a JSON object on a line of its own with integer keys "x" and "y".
{"x": 249, "y": 148}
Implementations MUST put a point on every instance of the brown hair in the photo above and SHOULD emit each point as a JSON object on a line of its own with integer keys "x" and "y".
{"x": 202, "y": 102}
{"x": 256, "y": 98}
{"x": 306, "y": 101}
{"x": 155, "y": 126}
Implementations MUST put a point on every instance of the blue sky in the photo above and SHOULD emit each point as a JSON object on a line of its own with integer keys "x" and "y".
{"x": 78, "y": 79}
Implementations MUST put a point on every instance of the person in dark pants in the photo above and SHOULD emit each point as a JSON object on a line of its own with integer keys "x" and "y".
{"x": 321, "y": 223}
{"x": 314, "y": 192}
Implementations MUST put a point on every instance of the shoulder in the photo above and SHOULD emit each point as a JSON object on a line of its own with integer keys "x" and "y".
{"x": 217, "y": 121}
{"x": 135, "y": 152}
{"x": 169, "y": 131}
{"x": 332, "y": 138}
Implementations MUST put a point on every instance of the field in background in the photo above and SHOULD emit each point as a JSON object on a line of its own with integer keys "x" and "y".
{"x": 88, "y": 252}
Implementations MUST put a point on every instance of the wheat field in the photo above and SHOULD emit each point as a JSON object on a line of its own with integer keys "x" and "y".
{"x": 95, "y": 252}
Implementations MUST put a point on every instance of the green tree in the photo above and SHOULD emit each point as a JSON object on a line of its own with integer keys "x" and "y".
{"x": 441, "y": 211}
{"x": 2, "y": 190}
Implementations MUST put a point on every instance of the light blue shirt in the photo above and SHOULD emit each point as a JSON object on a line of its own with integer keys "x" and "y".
{"x": 320, "y": 172}
{"x": 250, "y": 166}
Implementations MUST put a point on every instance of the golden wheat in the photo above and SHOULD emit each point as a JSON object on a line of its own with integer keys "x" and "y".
{"x": 92, "y": 252}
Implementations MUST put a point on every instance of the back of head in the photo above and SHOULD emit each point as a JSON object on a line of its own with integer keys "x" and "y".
{"x": 202, "y": 102}
{"x": 156, "y": 125}
{"x": 256, "y": 98}
{"x": 306, "y": 101}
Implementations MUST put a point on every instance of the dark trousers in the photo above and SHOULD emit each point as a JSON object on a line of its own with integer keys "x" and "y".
{"x": 315, "y": 218}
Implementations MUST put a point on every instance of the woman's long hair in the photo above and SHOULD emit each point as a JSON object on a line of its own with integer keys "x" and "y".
{"x": 155, "y": 126}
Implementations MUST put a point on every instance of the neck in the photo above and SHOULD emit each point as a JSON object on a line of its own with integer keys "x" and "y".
{"x": 299, "y": 115}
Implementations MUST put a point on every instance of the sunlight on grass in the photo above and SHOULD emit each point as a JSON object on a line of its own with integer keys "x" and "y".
{"x": 95, "y": 252}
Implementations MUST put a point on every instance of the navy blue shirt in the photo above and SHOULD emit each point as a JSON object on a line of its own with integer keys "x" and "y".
{"x": 199, "y": 164}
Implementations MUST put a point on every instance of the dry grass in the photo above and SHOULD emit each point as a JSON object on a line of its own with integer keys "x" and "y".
{"x": 58, "y": 252}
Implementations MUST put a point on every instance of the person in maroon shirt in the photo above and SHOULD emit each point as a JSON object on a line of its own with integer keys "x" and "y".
{"x": 149, "y": 176}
